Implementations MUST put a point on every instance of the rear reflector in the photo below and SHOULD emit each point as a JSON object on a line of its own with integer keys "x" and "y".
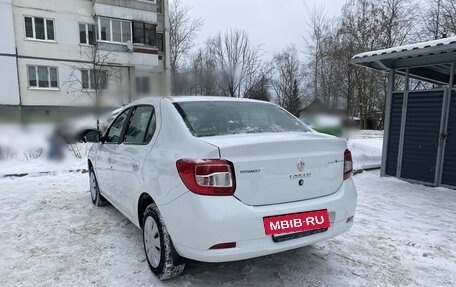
{"x": 348, "y": 164}
{"x": 207, "y": 176}
{"x": 224, "y": 245}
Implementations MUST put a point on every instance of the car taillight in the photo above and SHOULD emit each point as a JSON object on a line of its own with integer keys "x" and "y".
{"x": 207, "y": 176}
{"x": 348, "y": 164}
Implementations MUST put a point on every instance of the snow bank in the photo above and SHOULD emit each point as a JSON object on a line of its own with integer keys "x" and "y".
{"x": 24, "y": 149}
{"x": 366, "y": 148}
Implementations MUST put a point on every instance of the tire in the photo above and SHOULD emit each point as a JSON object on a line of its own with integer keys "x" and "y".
{"x": 97, "y": 198}
{"x": 161, "y": 256}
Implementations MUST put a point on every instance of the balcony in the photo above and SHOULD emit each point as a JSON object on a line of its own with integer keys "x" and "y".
{"x": 141, "y": 57}
{"x": 145, "y": 61}
{"x": 126, "y": 9}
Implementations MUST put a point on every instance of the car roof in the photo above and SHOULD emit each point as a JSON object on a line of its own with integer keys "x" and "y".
{"x": 182, "y": 99}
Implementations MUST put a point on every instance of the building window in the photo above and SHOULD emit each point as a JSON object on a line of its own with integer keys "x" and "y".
{"x": 160, "y": 42}
{"x": 94, "y": 79}
{"x": 159, "y": 6}
{"x": 42, "y": 77}
{"x": 142, "y": 85}
{"x": 144, "y": 33}
{"x": 87, "y": 34}
{"x": 112, "y": 30}
{"x": 39, "y": 28}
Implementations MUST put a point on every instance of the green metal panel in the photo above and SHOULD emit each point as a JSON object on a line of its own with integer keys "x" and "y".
{"x": 421, "y": 139}
{"x": 394, "y": 133}
{"x": 449, "y": 163}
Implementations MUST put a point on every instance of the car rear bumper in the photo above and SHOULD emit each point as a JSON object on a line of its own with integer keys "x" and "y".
{"x": 196, "y": 223}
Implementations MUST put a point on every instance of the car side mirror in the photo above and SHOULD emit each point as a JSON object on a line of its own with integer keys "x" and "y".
{"x": 93, "y": 137}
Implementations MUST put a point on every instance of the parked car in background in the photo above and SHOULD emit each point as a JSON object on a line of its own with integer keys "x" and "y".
{"x": 217, "y": 179}
{"x": 74, "y": 130}
{"x": 326, "y": 124}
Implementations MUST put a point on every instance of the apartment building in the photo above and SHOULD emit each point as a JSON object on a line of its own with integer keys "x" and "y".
{"x": 63, "y": 57}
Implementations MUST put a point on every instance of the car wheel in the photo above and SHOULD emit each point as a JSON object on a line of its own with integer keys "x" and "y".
{"x": 97, "y": 198}
{"x": 160, "y": 253}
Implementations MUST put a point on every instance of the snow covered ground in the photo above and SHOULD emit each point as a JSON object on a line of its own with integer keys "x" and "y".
{"x": 50, "y": 234}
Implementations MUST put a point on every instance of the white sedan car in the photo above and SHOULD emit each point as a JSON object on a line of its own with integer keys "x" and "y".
{"x": 218, "y": 179}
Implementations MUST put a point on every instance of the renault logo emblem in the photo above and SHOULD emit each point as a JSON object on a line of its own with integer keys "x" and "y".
{"x": 301, "y": 164}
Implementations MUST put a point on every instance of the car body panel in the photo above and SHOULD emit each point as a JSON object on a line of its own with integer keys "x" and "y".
{"x": 225, "y": 219}
{"x": 197, "y": 222}
{"x": 266, "y": 165}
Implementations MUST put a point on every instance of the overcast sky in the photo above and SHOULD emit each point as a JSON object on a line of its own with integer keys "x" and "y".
{"x": 274, "y": 24}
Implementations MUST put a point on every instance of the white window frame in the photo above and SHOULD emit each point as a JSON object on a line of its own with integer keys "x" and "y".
{"x": 148, "y": 1}
{"x": 111, "y": 34}
{"x": 37, "y": 87}
{"x": 91, "y": 89}
{"x": 86, "y": 26}
{"x": 33, "y": 38}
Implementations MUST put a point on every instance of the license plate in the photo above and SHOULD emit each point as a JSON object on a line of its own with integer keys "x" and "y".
{"x": 298, "y": 222}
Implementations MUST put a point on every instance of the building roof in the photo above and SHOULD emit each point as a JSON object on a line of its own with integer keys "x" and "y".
{"x": 428, "y": 61}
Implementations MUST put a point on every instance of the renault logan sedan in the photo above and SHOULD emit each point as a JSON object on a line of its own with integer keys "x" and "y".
{"x": 217, "y": 179}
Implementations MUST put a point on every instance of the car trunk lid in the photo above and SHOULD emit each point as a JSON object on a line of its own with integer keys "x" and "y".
{"x": 283, "y": 167}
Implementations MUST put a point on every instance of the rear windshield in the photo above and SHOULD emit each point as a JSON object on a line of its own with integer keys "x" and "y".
{"x": 205, "y": 119}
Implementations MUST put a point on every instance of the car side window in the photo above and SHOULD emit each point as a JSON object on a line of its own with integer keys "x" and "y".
{"x": 115, "y": 131}
{"x": 140, "y": 124}
{"x": 152, "y": 127}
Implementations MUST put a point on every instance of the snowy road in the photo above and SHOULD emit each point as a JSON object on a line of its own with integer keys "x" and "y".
{"x": 50, "y": 234}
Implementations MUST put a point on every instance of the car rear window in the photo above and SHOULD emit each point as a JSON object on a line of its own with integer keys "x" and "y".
{"x": 205, "y": 118}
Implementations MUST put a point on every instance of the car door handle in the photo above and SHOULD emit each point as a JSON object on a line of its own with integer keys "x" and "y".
{"x": 135, "y": 165}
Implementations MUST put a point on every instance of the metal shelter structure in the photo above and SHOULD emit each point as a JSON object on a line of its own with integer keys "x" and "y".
{"x": 420, "y": 125}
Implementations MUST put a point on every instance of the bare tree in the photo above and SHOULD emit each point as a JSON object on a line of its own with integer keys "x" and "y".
{"x": 449, "y": 15}
{"x": 200, "y": 76}
{"x": 438, "y": 20}
{"x": 91, "y": 79}
{"x": 259, "y": 86}
{"x": 318, "y": 29}
{"x": 237, "y": 59}
{"x": 288, "y": 79}
{"x": 182, "y": 32}
{"x": 206, "y": 76}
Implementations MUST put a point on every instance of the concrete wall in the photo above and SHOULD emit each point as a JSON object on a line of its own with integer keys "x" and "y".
{"x": 124, "y": 13}
{"x": 135, "y": 4}
{"x": 68, "y": 55}
{"x": 9, "y": 89}
{"x": 69, "y": 91}
{"x": 7, "y": 44}
{"x": 67, "y": 15}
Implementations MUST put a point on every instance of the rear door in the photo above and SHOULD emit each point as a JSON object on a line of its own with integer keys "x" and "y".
{"x": 105, "y": 155}
{"x": 130, "y": 156}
